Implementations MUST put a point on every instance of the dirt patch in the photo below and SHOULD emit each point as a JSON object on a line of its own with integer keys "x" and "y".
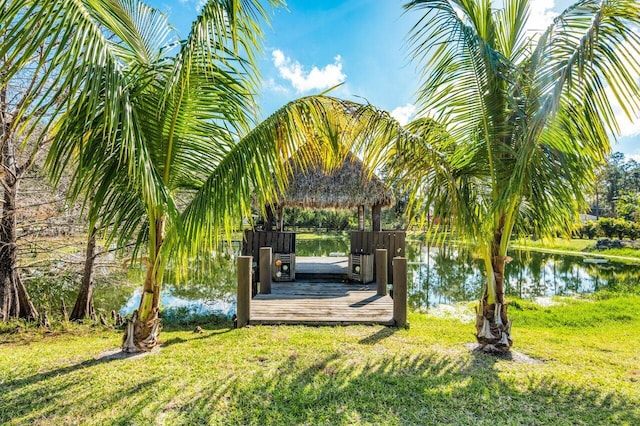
{"x": 512, "y": 356}
{"x": 115, "y": 354}
{"x": 461, "y": 312}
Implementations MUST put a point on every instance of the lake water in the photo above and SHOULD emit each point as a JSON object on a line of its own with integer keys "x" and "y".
{"x": 436, "y": 276}
{"x": 448, "y": 275}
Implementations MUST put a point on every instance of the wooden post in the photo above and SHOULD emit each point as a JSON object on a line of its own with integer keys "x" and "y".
{"x": 400, "y": 291}
{"x": 270, "y": 219}
{"x": 244, "y": 290}
{"x": 280, "y": 218}
{"x": 376, "y": 217}
{"x": 381, "y": 271}
{"x": 265, "y": 270}
{"x": 361, "y": 218}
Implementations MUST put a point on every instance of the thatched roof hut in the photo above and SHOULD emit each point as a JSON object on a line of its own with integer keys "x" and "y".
{"x": 347, "y": 187}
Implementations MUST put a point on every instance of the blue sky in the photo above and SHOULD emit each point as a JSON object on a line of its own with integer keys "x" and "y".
{"x": 313, "y": 45}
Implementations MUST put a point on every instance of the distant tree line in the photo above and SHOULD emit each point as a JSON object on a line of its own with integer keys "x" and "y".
{"x": 617, "y": 189}
{"x": 610, "y": 228}
{"x": 296, "y": 219}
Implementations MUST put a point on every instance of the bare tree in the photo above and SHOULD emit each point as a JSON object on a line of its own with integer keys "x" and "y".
{"x": 20, "y": 97}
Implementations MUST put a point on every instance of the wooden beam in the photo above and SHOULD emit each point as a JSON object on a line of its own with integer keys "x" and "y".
{"x": 265, "y": 269}
{"x": 381, "y": 272}
{"x": 376, "y": 217}
{"x": 400, "y": 291}
{"x": 361, "y": 218}
{"x": 244, "y": 290}
{"x": 280, "y": 218}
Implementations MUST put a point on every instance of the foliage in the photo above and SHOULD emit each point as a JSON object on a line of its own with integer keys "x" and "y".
{"x": 616, "y": 179}
{"x": 522, "y": 88}
{"x": 628, "y": 206}
{"x": 583, "y": 370}
{"x": 609, "y": 228}
{"x": 555, "y": 244}
{"x": 588, "y": 229}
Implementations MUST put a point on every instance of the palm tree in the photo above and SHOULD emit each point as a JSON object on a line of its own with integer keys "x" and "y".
{"x": 527, "y": 117}
{"x": 148, "y": 116}
{"x": 158, "y": 130}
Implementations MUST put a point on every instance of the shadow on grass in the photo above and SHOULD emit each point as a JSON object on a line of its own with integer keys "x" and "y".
{"x": 420, "y": 390}
{"x": 104, "y": 358}
{"x": 199, "y": 336}
{"x": 378, "y": 336}
{"x": 317, "y": 387}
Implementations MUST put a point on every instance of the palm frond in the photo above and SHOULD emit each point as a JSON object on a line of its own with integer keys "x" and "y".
{"x": 304, "y": 133}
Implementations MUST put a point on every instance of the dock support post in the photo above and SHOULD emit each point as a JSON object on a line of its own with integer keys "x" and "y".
{"x": 244, "y": 290}
{"x": 381, "y": 271}
{"x": 400, "y": 291}
{"x": 266, "y": 255}
{"x": 376, "y": 217}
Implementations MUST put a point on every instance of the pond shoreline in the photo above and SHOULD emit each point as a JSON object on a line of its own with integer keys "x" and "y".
{"x": 615, "y": 257}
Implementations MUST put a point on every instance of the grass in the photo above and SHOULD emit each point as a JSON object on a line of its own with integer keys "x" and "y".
{"x": 313, "y": 236}
{"x": 554, "y": 244}
{"x": 588, "y": 372}
{"x": 577, "y": 246}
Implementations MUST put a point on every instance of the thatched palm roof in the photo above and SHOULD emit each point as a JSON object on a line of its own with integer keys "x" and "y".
{"x": 346, "y": 187}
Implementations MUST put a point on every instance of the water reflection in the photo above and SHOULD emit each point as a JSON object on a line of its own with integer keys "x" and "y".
{"x": 112, "y": 290}
{"x": 187, "y": 305}
{"x": 212, "y": 290}
{"x": 338, "y": 243}
{"x": 437, "y": 275}
{"x": 450, "y": 274}
{"x": 443, "y": 275}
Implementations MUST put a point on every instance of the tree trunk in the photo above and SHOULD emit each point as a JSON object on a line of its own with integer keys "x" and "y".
{"x": 143, "y": 329}
{"x": 14, "y": 300}
{"x": 493, "y": 328}
{"x": 83, "y": 307}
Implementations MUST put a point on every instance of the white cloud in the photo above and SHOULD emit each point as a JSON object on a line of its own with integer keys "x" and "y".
{"x": 275, "y": 87}
{"x": 541, "y": 15}
{"x": 404, "y": 114}
{"x": 200, "y": 4}
{"x": 316, "y": 79}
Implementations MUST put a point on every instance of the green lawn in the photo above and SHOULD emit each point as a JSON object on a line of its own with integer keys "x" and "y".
{"x": 574, "y": 363}
{"x": 577, "y": 246}
{"x": 555, "y": 244}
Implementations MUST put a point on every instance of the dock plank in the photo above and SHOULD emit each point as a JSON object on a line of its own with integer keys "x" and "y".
{"x": 321, "y": 303}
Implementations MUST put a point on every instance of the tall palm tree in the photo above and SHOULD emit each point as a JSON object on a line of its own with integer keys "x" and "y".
{"x": 148, "y": 116}
{"x": 527, "y": 118}
{"x": 159, "y": 131}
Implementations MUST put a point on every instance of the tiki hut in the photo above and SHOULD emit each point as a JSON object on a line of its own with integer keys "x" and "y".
{"x": 349, "y": 186}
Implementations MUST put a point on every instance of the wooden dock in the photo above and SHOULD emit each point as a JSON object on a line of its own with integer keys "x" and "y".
{"x": 321, "y": 302}
{"x": 336, "y": 267}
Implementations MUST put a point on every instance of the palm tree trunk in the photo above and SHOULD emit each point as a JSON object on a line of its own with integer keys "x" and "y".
{"x": 83, "y": 307}
{"x": 143, "y": 329}
{"x": 493, "y": 328}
